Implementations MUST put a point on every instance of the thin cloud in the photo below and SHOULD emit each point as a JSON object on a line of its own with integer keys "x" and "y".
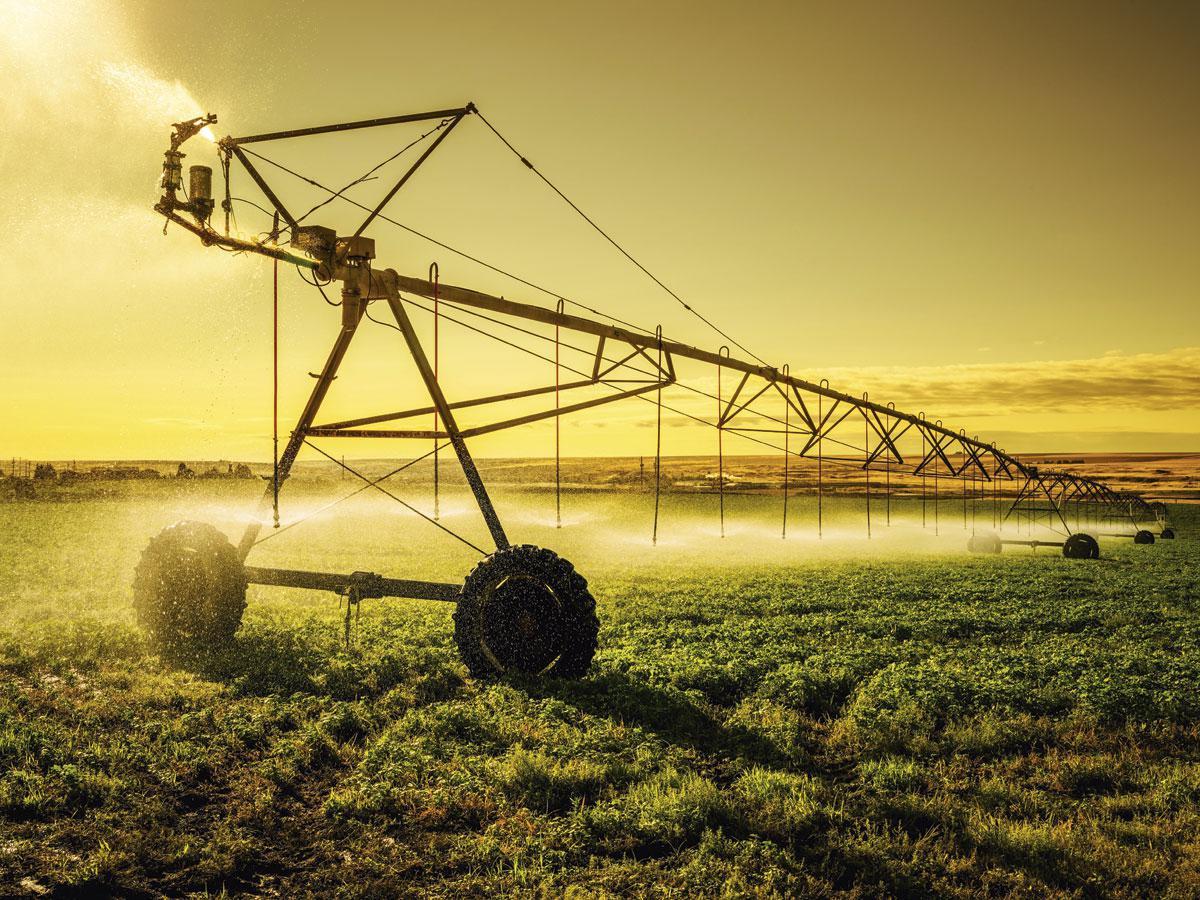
{"x": 1168, "y": 381}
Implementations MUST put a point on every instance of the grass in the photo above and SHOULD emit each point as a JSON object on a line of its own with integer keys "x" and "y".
{"x": 821, "y": 721}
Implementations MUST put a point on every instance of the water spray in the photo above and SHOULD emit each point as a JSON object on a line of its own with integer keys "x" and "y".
{"x": 524, "y": 608}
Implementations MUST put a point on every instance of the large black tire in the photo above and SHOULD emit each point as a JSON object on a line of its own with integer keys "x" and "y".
{"x": 1143, "y": 537}
{"x": 526, "y": 610}
{"x": 984, "y": 542}
{"x": 1168, "y": 534}
{"x": 1081, "y": 546}
{"x": 189, "y": 590}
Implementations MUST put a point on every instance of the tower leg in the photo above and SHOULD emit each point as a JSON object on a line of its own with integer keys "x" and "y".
{"x": 352, "y": 311}
{"x": 448, "y": 420}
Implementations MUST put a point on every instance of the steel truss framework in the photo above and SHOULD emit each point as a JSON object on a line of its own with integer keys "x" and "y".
{"x": 629, "y": 362}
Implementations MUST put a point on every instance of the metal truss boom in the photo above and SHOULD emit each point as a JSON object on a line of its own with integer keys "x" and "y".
{"x": 348, "y": 260}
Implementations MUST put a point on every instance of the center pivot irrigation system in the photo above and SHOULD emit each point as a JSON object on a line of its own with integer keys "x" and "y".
{"x": 524, "y": 608}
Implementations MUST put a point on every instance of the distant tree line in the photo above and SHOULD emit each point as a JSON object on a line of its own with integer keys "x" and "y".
{"x": 27, "y": 470}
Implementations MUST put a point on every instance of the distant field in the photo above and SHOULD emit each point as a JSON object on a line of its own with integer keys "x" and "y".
{"x": 1172, "y": 476}
{"x": 817, "y": 717}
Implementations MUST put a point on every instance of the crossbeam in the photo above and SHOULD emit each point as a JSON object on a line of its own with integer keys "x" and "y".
{"x": 350, "y": 126}
{"x": 365, "y": 584}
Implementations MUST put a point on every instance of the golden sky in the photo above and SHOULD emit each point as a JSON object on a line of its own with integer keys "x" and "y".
{"x": 990, "y": 212}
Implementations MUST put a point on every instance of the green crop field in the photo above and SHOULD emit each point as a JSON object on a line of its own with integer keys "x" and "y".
{"x": 764, "y": 718}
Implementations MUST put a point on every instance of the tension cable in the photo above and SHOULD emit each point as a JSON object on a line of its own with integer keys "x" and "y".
{"x": 604, "y": 234}
{"x": 404, "y": 503}
{"x": 437, "y": 499}
{"x": 657, "y": 443}
{"x": 457, "y": 252}
{"x": 369, "y": 173}
{"x": 353, "y": 493}
{"x": 275, "y": 382}
{"x": 672, "y": 409}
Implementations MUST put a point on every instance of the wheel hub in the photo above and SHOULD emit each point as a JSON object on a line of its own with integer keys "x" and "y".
{"x": 522, "y": 624}
{"x": 525, "y": 609}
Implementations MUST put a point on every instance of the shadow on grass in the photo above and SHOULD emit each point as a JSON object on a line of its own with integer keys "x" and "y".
{"x": 272, "y": 662}
{"x": 663, "y": 712}
{"x": 267, "y": 662}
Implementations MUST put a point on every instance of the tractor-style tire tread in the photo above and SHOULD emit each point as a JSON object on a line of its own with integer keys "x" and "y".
{"x": 578, "y": 606}
{"x": 189, "y": 589}
{"x": 1081, "y": 546}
